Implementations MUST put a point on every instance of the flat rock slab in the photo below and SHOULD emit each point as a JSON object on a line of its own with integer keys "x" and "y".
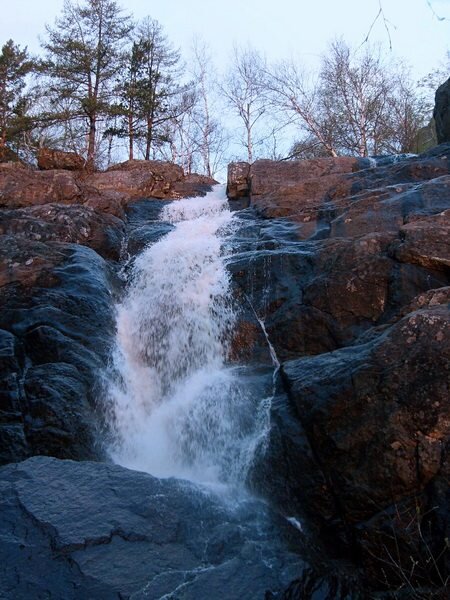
{"x": 98, "y": 531}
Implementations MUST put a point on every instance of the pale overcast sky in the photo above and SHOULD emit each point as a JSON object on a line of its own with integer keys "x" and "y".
{"x": 278, "y": 28}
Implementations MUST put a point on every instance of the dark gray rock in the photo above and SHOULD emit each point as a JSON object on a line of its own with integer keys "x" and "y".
{"x": 71, "y": 224}
{"x": 441, "y": 112}
{"x": 83, "y": 531}
{"x": 58, "y": 327}
{"x": 375, "y": 416}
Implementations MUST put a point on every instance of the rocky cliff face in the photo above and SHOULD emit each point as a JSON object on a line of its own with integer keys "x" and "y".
{"x": 350, "y": 275}
{"x": 341, "y": 272}
{"x": 100, "y": 531}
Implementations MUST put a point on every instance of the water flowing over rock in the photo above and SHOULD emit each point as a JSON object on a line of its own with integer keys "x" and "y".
{"x": 177, "y": 409}
{"x": 349, "y": 273}
{"x": 298, "y": 348}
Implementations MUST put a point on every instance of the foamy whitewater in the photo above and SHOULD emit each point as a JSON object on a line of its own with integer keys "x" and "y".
{"x": 177, "y": 408}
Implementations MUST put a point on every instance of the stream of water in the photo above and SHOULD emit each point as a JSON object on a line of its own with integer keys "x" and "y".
{"x": 178, "y": 409}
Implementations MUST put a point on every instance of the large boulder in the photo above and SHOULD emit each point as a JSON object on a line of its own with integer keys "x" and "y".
{"x": 105, "y": 191}
{"x": 137, "y": 179}
{"x": 105, "y": 532}
{"x": 376, "y": 416}
{"x": 48, "y": 159}
{"x": 441, "y": 113}
{"x": 238, "y": 180}
{"x": 21, "y": 186}
{"x": 349, "y": 193}
{"x": 76, "y": 224}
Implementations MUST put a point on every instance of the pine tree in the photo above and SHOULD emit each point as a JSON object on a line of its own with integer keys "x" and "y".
{"x": 85, "y": 51}
{"x": 14, "y": 120}
{"x": 149, "y": 90}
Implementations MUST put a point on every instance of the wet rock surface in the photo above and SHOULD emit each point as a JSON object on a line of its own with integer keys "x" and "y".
{"x": 57, "y": 320}
{"x": 340, "y": 270}
{"x": 348, "y": 272}
{"x": 90, "y": 530}
{"x": 70, "y": 224}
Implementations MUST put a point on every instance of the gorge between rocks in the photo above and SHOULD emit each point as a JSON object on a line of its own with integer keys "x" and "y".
{"x": 238, "y": 395}
{"x": 178, "y": 409}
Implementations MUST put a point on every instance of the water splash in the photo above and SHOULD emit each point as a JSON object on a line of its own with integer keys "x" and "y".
{"x": 177, "y": 409}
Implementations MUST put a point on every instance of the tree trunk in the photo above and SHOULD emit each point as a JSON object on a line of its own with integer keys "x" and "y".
{"x": 249, "y": 146}
{"x": 2, "y": 144}
{"x": 148, "y": 143}
{"x": 90, "y": 161}
{"x": 130, "y": 136}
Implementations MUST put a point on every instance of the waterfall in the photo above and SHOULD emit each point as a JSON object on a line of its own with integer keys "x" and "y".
{"x": 177, "y": 408}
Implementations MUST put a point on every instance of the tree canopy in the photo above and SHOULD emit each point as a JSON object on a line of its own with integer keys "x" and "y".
{"x": 15, "y": 65}
{"x": 108, "y": 87}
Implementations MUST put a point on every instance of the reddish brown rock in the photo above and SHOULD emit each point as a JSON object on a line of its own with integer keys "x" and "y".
{"x": 377, "y": 418}
{"x": 344, "y": 195}
{"x": 49, "y": 159}
{"x": 269, "y": 176}
{"x": 138, "y": 179}
{"x": 109, "y": 203}
{"x": 238, "y": 180}
{"x": 428, "y": 299}
{"x": 27, "y": 263}
{"x": 108, "y": 191}
{"x": 192, "y": 185}
{"x": 426, "y": 242}
{"x": 349, "y": 272}
{"x": 21, "y": 186}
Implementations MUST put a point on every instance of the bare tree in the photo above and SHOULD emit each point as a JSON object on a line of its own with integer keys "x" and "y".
{"x": 211, "y": 138}
{"x": 358, "y": 104}
{"x": 298, "y": 95}
{"x": 354, "y": 96}
{"x": 244, "y": 89}
{"x": 408, "y": 111}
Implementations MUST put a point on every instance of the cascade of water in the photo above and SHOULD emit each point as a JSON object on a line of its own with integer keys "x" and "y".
{"x": 177, "y": 408}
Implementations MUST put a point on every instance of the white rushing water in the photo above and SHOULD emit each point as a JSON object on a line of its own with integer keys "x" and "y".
{"x": 177, "y": 408}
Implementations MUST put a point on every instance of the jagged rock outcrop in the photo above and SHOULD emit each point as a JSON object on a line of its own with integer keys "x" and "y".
{"x": 74, "y": 224}
{"x": 21, "y": 186}
{"x": 238, "y": 180}
{"x": 57, "y": 327}
{"x": 348, "y": 269}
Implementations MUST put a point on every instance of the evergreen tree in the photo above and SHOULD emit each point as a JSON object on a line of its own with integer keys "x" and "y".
{"x": 125, "y": 110}
{"x": 14, "y": 120}
{"x": 149, "y": 93}
{"x": 85, "y": 52}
